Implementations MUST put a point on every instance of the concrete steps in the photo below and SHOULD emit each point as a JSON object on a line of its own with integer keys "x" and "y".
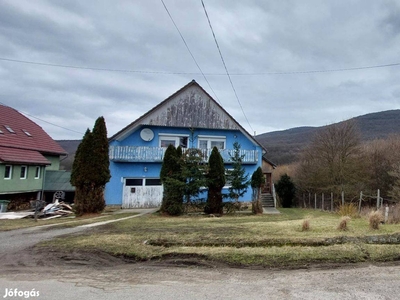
{"x": 267, "y": 200}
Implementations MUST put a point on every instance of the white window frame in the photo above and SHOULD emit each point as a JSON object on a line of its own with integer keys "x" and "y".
{"x": 10, "y": 173}
{"x": 38, "y": 171}
{"x": 210, "y": 139}
{"x": 173, "y": 137}
{"x": 228, "y": 184}
{"x": 25, "y": 172}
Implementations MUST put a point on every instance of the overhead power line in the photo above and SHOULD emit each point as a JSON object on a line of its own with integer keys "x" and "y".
{"x": 187, "y": 47}
{"x": 194, "y": 73}
{"x": 27, "y": 114}
{"x": 226, "y": 69}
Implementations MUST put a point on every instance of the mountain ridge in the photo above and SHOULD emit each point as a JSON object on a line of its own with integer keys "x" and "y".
{"x": 284, "y": 146}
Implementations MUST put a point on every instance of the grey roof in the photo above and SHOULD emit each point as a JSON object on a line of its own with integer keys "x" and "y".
{"x": 58, "y": 181}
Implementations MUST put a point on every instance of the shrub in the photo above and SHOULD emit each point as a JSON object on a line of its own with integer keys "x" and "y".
{"x": 348, "y": 209}
{"x": 343, "y": 225}
{"x": 306, "y": 225}
{"x": 375, "y": 218}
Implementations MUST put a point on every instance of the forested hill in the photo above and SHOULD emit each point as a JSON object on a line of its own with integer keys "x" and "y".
{"x": 285, "y": 146}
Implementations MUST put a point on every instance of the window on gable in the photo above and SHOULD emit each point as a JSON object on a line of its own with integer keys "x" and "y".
{"x": 24, "y": 172}
{"x": 8, "y": 172}
{"x": 37, "y": 172}
{"x": 9, "y": 129}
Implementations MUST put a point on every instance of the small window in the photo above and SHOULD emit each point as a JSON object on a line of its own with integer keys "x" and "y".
{"x": 166, "y": 142}
{"x": 37, "y": 172}
{"x": 9, "y": 129}
{"x": 153, "y": 181}
{"x": 24, "y": 172}
{"x": 26, "y": 132}
{"x": 8, "y": 172}
{"x": 211, "y": 142}
{"x": 170, "y": 139}
{"x": 134, "y": 182}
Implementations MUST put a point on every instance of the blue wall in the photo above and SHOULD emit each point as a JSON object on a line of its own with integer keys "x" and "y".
{"x": 119, "y": 170}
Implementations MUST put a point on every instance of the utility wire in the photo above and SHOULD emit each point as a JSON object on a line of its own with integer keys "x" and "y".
{"x": 226, "y": 69}
{"x": 191, "y": 54}
{"x": 25, "y": 113}
{"x": 193, "y": 73}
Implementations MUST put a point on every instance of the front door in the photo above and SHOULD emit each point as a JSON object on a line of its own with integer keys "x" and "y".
{"x": 267, "y": 185}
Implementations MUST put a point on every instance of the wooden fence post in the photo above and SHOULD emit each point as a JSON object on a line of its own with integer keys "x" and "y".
{"x": 315, "y": 201}
{"x": 331, "y": 201}
{"x": 342, "y": 198}
{"x": 359, "y": 203}
{"x": 378, "y": 199}
{"x": 323, "y": 202}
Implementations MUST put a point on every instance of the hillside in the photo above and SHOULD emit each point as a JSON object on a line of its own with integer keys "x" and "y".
{"x": 285, "y": 146}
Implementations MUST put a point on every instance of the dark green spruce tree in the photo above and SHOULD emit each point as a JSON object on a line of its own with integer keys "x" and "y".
{"x": 171, "y": 177}
{"x": 237, "y": 176}
{"x": 193, "y": 171}
{"x": 215, "y": 183}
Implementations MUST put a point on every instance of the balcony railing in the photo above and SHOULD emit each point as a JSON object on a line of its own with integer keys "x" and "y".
{"x": 156, "y": 154}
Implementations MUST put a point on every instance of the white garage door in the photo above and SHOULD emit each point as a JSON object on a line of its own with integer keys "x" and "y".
{"x": 142, "y": 193}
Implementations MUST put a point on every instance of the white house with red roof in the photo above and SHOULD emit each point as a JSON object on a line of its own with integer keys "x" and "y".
{"x": 27, "y": 152}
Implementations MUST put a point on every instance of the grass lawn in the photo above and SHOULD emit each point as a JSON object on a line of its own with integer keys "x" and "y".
{"x": 242, "y": 239}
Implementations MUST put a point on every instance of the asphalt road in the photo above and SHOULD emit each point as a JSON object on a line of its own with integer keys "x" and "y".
{"x": 152, "y": 281}
{"x": 185, "y": 283}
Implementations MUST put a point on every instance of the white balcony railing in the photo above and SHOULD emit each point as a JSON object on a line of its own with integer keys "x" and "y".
{"x": 156, "y": 154}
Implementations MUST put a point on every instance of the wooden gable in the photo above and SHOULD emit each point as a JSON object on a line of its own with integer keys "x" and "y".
{"x": 191, "y": 107}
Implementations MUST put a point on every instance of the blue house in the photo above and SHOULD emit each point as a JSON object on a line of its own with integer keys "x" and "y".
{"x": 189, "y": 118}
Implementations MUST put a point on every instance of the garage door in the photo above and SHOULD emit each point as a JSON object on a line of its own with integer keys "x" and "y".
{"x": 142, "y": 193}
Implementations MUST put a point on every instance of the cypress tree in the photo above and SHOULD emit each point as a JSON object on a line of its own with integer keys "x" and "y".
{"x": 90, "y": 170}
{"x": 171, "y": 177}
{"x": 257, "y": 181}
{"x": 215, "y": 182}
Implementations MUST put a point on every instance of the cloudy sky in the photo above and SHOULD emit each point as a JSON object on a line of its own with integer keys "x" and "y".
{"x": 292, "y": 63}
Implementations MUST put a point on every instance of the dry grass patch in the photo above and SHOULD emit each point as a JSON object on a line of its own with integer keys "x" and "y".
{"x": 343, "y": 225}
{"x": 375, "y": 219}
{"x": 243, "y": 240}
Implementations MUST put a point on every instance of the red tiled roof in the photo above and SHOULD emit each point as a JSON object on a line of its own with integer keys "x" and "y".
{"x": 15, "y": 155}
{"x": 36, "y": 139}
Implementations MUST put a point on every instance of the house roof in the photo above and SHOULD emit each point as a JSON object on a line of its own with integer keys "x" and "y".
{"x": 19, "y": 132}
{"x": 22, "y": 156}
{"x": 191, "y": 106}
{"x": 58, "y": 180}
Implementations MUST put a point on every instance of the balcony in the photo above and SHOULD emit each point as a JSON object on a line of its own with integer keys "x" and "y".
{"x": 156, "y": 154}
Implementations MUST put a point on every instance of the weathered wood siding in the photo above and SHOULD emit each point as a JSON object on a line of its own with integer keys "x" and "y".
{"x": 191, "y": 108}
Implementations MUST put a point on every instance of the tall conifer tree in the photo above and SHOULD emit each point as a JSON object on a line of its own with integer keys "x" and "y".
{"x": 215, "y": 182}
